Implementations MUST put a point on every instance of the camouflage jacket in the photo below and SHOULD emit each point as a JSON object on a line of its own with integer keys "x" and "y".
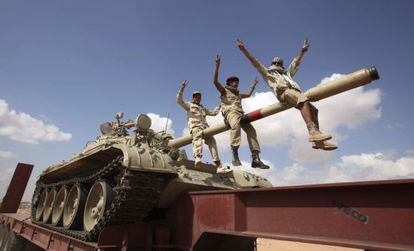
{"x": 230, "y": 102}
{"x": 274, "y": 79}
{"x": 196, "y": 114}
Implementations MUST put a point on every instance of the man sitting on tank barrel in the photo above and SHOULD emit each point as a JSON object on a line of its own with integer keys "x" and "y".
{"x": 288, "y": 91}
{"x": 196, "y": 120}
{"x": 233, "y": 112}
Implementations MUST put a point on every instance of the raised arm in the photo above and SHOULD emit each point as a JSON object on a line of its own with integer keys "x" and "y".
{"x": 256, "y": 63}
{"x": 246, "y": 95}
{"x": 216, "y": 82}
{"x": 294, "y": 66}
{"x": 180, "y": 99}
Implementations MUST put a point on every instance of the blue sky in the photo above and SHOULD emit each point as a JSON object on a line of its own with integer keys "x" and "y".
{"x": 73, "y": 64}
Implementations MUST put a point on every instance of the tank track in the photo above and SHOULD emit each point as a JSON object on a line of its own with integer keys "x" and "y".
{"x": 135, "y": 196}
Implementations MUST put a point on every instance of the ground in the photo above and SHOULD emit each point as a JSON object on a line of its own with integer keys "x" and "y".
{"x": 272, "y": 245}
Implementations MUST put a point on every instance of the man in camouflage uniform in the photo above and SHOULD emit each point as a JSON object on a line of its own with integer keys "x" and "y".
{"x": 233, "y": 113}
{"x": 288, "y": 91}
{"x": 196, "y": 119}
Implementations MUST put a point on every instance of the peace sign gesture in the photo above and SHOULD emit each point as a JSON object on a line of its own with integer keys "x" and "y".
{"x": 305, "y": 46}
{"x": 184, "y": 84}
{"x": 240, "y": 43}
{"x": 218, "y": 59}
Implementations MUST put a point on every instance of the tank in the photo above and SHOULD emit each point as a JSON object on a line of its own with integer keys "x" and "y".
{"x": 122, "y": 178}
{"x": 131, "y": 173}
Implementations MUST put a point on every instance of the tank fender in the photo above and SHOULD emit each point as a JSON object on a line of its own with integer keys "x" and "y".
{"x": 245, "y": 179}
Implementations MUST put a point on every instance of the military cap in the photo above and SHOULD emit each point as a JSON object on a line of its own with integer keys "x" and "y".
{"x": 277, "y": 60}
{"x": 231, "y": 79}
{"x": 196, "y": 92}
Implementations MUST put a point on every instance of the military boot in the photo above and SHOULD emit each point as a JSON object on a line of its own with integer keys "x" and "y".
{"x": 257, "y": 163}
{"x": 315, "y": 134}
{"x": 236, "y": 160}
{"x": 217, "y": 163}
{"x": 221, "y": 169}
{"x": 324, "y": 145}
{"x": 197, "y": 162}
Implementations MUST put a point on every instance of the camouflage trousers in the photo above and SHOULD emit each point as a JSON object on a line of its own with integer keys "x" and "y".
{"x": 197, "y": 133}
{"x": 291, "y": 97}
{"x": 233, "y": 120}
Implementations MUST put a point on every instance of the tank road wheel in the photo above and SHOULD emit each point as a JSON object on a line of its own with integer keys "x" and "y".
{"x": 57, "y": 213}
{"x": 50, "y": 199}
{"x": 41, "y": 203}
{"x": 99, "y": 199}
{"x": 72, "y": 211}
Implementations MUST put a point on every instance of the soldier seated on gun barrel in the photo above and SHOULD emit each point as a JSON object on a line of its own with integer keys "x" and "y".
{"x": 196, "y": 119}
{"x": 288, "y": 91}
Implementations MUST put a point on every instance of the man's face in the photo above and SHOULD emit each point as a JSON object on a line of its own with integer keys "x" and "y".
{"x": 234, "y": 84}
{"x": 277, "y": 64}
{"x": 197, "y": 99}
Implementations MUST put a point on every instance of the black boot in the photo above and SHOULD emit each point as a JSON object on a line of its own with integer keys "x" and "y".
{"x": 257, "y": 163}
{"x": 236, "y": 160}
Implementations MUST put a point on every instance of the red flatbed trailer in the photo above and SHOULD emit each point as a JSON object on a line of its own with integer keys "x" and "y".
{"x": 376, "y": 215}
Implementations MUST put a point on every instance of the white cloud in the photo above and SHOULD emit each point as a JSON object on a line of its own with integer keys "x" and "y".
{"x": 301, "y": 151}
{"x": 350, "y": 109}
{"x": 290, "y": 175}
{"x": 395, "y": 126}
{"x": 5, "y": 180}
{"x": 158, "y": 123}
{"x": 362, "y": 167}
{"x": 7, "y": 154}
{"x": 369, "y": 166}
{"x": 410, "y": 152}
{"x": 332, "y": 77}
{"x": 22, "y": 127}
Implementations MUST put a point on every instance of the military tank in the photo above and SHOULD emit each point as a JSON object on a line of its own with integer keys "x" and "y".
{"x": 120, "y": 178}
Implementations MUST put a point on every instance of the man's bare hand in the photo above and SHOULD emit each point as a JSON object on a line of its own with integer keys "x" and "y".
{"x": 240, "y": 43}
{"x": 218, "y": 59}
{"x": 255, "y": 82}
{"x": 184, "y": 84}
{"x": 305, "y": 46}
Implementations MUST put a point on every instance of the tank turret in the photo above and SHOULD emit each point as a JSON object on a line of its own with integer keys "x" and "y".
{"x": 130, "y": 171}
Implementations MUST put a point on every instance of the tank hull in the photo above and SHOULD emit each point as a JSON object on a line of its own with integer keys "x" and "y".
{"x": 142, "y": 181}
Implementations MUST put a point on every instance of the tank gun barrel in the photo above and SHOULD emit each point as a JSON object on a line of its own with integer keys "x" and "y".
{"x": 320, "y": 91}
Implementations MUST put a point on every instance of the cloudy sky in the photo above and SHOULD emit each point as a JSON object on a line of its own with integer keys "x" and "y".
{"x": 67, "y": 66}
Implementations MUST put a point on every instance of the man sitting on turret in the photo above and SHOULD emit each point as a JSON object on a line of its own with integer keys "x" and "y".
{"x": 288, "y": 91}
{"x": 233, "y": 113}
{"x": 196, "y": 119}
